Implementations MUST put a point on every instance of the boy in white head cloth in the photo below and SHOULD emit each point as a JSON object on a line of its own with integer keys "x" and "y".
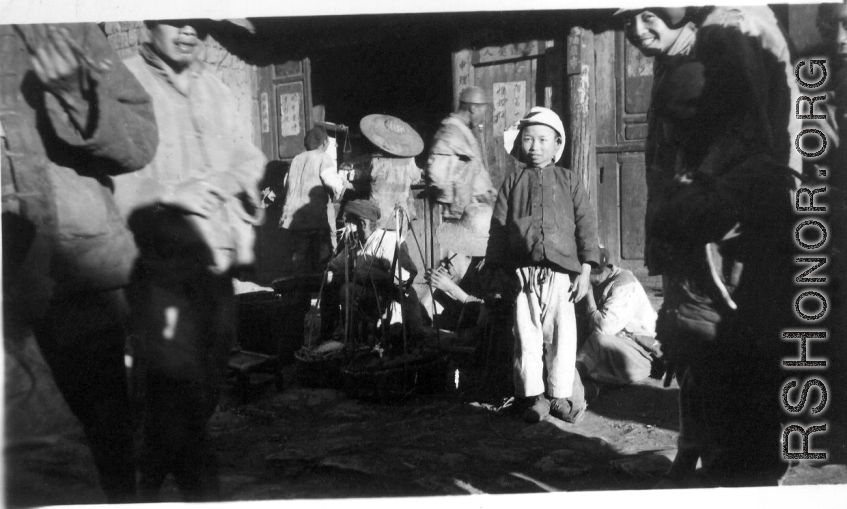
{"x": 544, "y": 236}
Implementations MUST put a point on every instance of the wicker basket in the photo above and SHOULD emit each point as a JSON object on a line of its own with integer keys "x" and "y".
{"x": 394, "y": 379}
{"x": 320, "y": 369}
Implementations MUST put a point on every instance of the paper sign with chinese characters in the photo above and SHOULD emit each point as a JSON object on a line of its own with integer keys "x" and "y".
{"x": 289, "y": 114}
{"x": 509, "y": 104}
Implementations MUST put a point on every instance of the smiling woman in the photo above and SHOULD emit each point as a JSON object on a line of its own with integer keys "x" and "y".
{"x": 654, "y": 31}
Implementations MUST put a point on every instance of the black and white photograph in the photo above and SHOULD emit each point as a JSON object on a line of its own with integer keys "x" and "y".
{"x": 472, "y": 253}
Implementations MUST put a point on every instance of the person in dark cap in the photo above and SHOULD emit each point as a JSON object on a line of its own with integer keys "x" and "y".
{"x": 367, "y": 277}
{"x": 456, "y": 169}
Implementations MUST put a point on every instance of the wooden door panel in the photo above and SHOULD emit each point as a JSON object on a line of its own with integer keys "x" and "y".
{"x": 512, "y": 85}
{"x": 604, "y": 86}
{"x": 633, "y": 204}
{"x": 638, "y": 73}
{"x": 635, "y": 76}
{"x": 608, "y": 204}
{"x": 623, "y": 82}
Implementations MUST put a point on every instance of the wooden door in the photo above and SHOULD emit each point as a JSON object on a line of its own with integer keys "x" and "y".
{"x": 285, "y": 111}
{"x": 509, "y": 74}
{"x": 285, "y": 107}
{"x": 623, "y": 78}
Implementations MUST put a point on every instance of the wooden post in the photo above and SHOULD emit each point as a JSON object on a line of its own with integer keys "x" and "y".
{"x": 581, "y": 103}
{"x": 462, "y": 74}
{"x": 554, "y": 60}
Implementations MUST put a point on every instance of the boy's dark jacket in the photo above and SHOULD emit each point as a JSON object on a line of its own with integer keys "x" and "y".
{"x": 543, "y": 217}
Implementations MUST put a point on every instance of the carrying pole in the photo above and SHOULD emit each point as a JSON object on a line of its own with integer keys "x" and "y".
{"x": 398, "y": 222}
{"x": 347, "y": 240}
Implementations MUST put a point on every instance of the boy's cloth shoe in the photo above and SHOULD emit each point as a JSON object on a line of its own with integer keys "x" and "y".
{"x": 539, "y": 407}
{"x": 561, "y": 408}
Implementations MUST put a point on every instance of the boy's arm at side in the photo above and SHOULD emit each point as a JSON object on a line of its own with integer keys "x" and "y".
{"x": 585, "y": 219}
{"x": 582, "y": 284}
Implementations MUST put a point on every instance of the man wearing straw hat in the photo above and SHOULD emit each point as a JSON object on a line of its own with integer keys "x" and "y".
{"x": 456, "y": 168}
{"x": 392, "y": 166}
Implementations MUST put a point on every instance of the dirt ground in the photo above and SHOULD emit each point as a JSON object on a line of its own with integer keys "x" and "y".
{"x": 304, "y": 442}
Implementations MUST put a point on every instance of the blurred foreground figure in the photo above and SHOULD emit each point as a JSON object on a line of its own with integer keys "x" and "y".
{"x": 718, "y": 229}
{"x": 192, "y": 210}
{"x": 72, "y": 117}
{"x": 456, "y": 168}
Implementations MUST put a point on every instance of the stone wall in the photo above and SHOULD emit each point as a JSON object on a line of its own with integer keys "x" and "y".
{"x": 240, "y": 77}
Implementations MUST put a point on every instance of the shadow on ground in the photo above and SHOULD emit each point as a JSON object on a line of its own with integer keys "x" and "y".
{"x": 646, "y": 402}
{"x": 307, "y": 443}
{"x": 318, "y": 443}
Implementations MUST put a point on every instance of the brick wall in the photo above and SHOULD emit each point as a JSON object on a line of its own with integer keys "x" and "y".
{"x": 240, "y": 77}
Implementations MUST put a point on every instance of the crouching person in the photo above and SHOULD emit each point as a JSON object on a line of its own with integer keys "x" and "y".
{"x": 456, "y": 302}
{"x": 378, "y": 275}
{"x": 621, "y": 347}
{"x": 544, "y": 236}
